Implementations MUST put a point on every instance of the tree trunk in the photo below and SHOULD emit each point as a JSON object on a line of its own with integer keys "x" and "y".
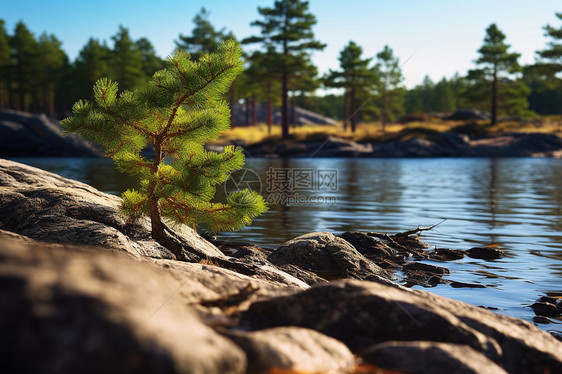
{"x": 293, "y": 111}
{"x": 254, "y": 111}
{"x": 269, "y": 115}
{"x": 384, "y": 112}
{"x": 345, "y": 109}
{"x": 495, "y": 96}
{"x": 284, "y": 106}
{"x": 352, "y": 110}
{"x": 247, "y": 110}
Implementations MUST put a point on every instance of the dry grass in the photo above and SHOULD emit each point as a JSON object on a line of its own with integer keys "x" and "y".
{"x": 372, "y": 131}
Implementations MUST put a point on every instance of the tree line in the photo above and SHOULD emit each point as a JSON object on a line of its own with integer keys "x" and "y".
{"x": 37, "y": 75}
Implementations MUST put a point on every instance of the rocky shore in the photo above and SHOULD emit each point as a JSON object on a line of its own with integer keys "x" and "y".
{"x": 85, "y": 291}
{"x": 33, "y": 135}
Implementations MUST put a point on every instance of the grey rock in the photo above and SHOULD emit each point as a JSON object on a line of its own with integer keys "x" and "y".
{"x": 47, "y": 207}
{"x": 430, "y": 357}
{"x": 26, "y": 134}
{"x": 293, "y": 348}
{"x": 361, "y": 314}
{"x": 368, "y": 246}
{"x": 328, "y": 256}
{"x": 69, "y": 309}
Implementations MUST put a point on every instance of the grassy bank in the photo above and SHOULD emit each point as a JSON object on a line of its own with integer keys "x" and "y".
{"x": 372, "y": 131}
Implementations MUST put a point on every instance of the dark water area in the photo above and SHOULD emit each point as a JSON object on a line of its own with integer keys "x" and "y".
{"x": 514, "y": 204}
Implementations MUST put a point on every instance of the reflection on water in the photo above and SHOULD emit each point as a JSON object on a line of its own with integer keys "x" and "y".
{"x": 513, "y": 203}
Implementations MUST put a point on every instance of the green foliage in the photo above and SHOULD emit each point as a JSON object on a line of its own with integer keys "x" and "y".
{"x": 204, "y": 37}
{"x": 552, "y": 55}
{"x": 390, "y": 92}
{"x": 287, "y": 37}
{"x": 126, "y": 61}
{"x": 179, "y": 110}
{"x": 496, "y": 78}
{"x": 355, "y": 78}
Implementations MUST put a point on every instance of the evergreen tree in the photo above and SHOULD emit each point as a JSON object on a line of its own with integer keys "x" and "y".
{"x": 149, "y": 60}
{"x": 204, "y": 37}
{"x": 91, "y": 64}
{"x": 354, "y": 77}
{"x": 391, "y": 94}
{"x": 552, "y": 55}
{"x": 426, "y": 90}
{"x": 126, "y": 61}
{"x": 176, "y": 113}
{"x": 49, "y": 73}
{"x": 5, "y": 64}
{"x": 303, "y": 81}
{"x": 492, "y": 79}
{"x": 262, "y": 73}
{"x": 286, "y": 34}
{"x": 443, "y": 99}
{"x": 23, "y": 45}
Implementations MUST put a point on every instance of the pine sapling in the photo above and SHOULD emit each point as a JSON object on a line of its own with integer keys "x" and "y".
{"x": 176, "y": 113}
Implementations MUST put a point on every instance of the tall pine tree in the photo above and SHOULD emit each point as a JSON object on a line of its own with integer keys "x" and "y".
{"x": 286, "y": 34}
{"x": 391, "y": 94}
{"x": 179, "y": 111}
{"x": 204, "y": 37}
{"x": 91, "y": 64}
{"x": 354, "y": 77}
{"x": 493, "y": 78}
{"x": 24, "y": 54}
{"x": 552, "y": 55}
{"x": 126, "y": 61}
{"x": 49, "y": 73}
{"x": 5, "y": 65}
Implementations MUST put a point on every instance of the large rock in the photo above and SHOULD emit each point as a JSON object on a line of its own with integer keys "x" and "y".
{"x": 26, "y": 134}
{"x": 293, "y": 349}
{"x": 362, "y": 314}
{"x": 73, "y": 310}
{"x": 45, "y": 206}
{"x": 328, "y": 256}
{"x": 430, "y": 357}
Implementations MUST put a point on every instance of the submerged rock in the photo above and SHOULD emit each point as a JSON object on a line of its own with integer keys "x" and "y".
{"x": 485, "y": 253}
{"x": 328, "y": 256}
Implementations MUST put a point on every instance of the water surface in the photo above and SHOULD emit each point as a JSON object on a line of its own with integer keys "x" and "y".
{"x": 515, "y": 204}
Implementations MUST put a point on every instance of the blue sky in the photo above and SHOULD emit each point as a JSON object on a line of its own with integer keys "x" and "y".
{"x": 440, "y": 37}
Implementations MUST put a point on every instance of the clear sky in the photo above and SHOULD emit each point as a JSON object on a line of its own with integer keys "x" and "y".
{"x": 440, "y": 37}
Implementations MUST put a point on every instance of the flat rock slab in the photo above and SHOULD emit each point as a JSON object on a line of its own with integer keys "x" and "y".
{"x": 45, "y": 206}
{"x": 362, "y": 314}
{"x": 328, "y": 256}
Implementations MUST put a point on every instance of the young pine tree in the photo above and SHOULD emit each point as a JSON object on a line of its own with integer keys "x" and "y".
{"x": 179, "y": 110}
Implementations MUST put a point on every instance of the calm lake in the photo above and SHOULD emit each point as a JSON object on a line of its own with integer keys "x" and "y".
{"x": 515, "y": 204}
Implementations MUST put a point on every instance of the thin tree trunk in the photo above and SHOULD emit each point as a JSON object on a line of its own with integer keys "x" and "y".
{"x": 495, "y": 97}
{"x": 384, "y": 112}
{"x": 352, "y": 110}
{"x": 284, "y": 106}
{"x": 345, "y": 109}
{"x": 247, "y": 110}
{"x": 254, "y": 111}
{"x": 293, "y": 111}
{"x": 269, "y": 115}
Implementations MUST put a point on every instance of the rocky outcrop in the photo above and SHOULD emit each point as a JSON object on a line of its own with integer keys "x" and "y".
{"x": 293, "y": 349}
{"x": 47, "y": 207}
{"x": 32, "y": 135}
{"x": 430, "y": 357}
{"x": 328, "y": 256}
{"x": 362, "y": 314}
